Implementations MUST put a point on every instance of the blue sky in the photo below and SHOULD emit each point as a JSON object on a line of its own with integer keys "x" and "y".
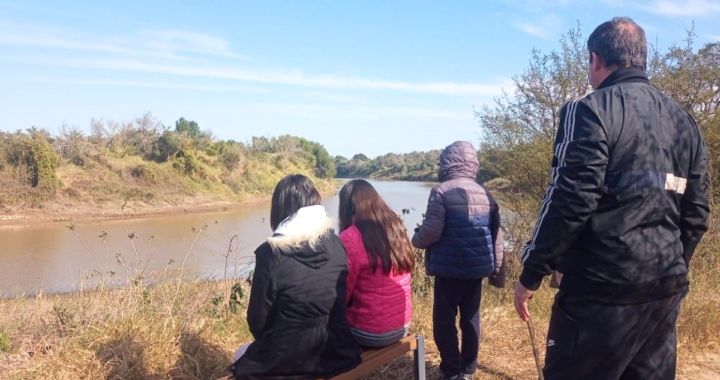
{"x": 371, "y": 77}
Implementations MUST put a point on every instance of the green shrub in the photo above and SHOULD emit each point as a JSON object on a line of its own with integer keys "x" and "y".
{"x": 144, "y": 172}
{"x": 34, "y": 154}
{"x": 167, "y": 146}
{"x": 230, "y": 158}
{"x": 187, "y": 164}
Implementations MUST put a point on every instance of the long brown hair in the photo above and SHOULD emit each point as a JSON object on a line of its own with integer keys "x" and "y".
{"x": 383, "y": 232}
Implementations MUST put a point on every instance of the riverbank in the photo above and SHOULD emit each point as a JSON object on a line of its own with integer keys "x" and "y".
{"x": 190, "y": 331}
{"x": 140, "y": 170}
{"x": 79, "y": 211}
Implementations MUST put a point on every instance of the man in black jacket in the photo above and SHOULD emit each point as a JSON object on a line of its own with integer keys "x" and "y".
{"x": 626, "y": 208}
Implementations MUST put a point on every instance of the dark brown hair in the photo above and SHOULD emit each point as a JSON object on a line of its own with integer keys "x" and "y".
{"x": 619, "y": 42}
{"x": 383, "y": 232}
{"x": 292, "y": 193}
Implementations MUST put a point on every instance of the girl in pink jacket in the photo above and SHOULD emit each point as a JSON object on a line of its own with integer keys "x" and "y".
{"x": 380, "y": 262}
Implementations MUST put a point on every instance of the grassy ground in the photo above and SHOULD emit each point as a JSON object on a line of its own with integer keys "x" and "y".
{"x": 189, "y": 330}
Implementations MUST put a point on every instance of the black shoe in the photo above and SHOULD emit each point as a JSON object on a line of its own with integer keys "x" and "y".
{"x": 467, "y": 376}
{"x": 443, "y": 377}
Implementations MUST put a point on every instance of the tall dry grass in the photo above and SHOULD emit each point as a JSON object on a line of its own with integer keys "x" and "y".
{"x": 175, "y": 329}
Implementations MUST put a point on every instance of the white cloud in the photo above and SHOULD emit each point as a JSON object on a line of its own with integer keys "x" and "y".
{"x": 545, "y": 27}
{"x": 178, "y": 40}
{"x": 684, "y": 7}
{"x": 146, "y": 84}
{"x": 164, "y": 44}
{"x": 335, "y": 98}
{"x": 282, "y": 77}
{"x": 322, "y": 111}
{"x": 681, "y": 7}
{"x": 535, "y": 30}
{"x": 615, "y": 3}
{"x": 538, "y": 5}
{"x": 661, "y": 7}
{"x": 140, "y": 54}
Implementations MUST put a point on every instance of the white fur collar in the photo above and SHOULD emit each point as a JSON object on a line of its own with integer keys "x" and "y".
{"x": 308, "y": 225}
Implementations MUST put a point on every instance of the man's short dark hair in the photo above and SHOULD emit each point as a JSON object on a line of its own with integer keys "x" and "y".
{"x": 619, "y": 42}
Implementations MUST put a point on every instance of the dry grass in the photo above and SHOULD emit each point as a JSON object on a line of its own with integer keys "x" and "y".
{"x": 177, "y": 330}
{"x": 139, "y": 333}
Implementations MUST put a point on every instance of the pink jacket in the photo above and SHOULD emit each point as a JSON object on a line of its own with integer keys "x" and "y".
{"x": 377, "y": 303}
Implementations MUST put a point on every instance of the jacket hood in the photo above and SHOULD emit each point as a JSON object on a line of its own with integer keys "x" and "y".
{"x": 299, "y": 236}
{"x": 458, "y": 160}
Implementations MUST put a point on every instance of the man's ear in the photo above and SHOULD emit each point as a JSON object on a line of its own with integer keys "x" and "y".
{"x": 595, "y": 61}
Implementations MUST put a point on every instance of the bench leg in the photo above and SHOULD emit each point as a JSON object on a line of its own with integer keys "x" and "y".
{"x": 420, "y": 359}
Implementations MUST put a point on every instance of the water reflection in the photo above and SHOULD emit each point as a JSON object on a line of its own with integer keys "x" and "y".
{"x": 53, "y": 258}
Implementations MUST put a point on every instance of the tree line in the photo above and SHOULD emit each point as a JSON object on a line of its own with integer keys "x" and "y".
{"x": 37, "y": 165}
{"x": 415, "y": 166}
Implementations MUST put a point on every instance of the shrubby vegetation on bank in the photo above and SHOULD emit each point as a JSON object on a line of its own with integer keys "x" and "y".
{"x": 415, "y": 166}
{"x": 146, "y": 162}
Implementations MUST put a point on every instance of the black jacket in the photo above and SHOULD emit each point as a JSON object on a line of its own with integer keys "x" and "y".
{"x": 628, "y": 202}
{"x": 296, "y": 311}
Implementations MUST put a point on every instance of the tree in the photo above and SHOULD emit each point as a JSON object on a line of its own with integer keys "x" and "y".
{"x": 324, "y": 163}
{"x": 518, "y": 131}
{"x": 169, "y": 145}
{"x": 189, "y": 127}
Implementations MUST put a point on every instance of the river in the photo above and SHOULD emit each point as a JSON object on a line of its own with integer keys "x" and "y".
{"x": 52, "y": 258}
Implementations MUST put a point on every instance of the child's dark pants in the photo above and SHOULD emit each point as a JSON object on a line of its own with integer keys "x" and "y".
{"x": 452, "y": 295}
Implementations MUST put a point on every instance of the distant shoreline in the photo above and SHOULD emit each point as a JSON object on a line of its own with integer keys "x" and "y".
{"x": 388, "y": 179}
{"x": 79, "y": 212}
{"x": 69, "y": 211}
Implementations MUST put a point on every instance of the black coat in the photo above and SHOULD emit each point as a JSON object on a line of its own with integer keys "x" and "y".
{"x": 628, "y": 202}
{"x": 297, "y": 313}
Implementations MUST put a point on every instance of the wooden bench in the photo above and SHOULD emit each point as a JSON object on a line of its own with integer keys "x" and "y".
{"x": 373, "y": 359}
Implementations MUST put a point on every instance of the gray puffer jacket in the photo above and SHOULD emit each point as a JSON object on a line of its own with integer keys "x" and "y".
{"x": 462, "y": 232}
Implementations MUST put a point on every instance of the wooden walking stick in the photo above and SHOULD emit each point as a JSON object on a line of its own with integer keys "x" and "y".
{"x": 535, "y": 351}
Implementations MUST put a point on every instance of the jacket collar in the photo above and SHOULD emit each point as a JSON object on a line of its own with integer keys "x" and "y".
{"x": 306, "y": 226}
{"x": 625, "y": 75}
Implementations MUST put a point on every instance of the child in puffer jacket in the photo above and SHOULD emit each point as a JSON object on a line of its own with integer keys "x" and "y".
{"x": 462, "y": 237}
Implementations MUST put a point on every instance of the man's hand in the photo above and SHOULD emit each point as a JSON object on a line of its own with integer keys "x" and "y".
{"x": 522, "y": 296}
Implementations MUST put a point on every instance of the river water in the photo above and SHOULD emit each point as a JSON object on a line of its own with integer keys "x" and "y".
{"x": 53, "y": 258}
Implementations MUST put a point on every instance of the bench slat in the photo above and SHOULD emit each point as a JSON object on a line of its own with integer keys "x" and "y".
{"x": 376, "y": 358}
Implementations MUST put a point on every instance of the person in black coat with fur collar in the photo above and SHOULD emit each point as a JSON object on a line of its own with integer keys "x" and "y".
{"x": 296, "y": 311}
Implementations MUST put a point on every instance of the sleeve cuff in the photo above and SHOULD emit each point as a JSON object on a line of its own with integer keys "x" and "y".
{"x": 531, "y": 280}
